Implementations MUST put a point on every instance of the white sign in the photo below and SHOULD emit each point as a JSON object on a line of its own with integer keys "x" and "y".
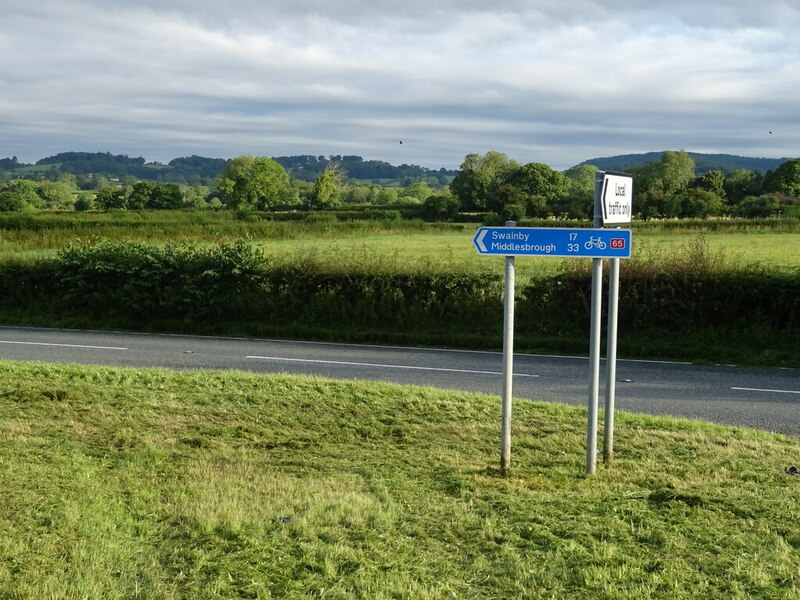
{"x": 617, "y": 198}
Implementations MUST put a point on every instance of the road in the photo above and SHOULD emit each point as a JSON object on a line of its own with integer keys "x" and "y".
{"x": 761, "y": 398}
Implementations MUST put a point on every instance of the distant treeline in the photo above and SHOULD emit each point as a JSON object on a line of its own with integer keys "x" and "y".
{"x": 308, "y": 168}
{"x": 724, "y": 163}
{"x": 193, "y": 170}
{"x": 199, "y": 170}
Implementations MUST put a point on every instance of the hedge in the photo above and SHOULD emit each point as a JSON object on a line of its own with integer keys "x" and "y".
{"x": 232, "y": 283}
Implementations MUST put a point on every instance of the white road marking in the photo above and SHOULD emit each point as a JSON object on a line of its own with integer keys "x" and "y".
{"x": 62, "y": 345}
{"x": 382, "y": 366}
{"x": 744, "y": 389}
{"x": 342, "y": 344}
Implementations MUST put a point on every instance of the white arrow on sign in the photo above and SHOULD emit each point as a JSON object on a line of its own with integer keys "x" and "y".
{"x": 479, "y": 240}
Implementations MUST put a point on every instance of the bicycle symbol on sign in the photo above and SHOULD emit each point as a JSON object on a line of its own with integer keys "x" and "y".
{"x": 595, "y": 242}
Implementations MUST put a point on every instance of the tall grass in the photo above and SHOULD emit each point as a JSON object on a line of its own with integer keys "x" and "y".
{"x": 21, "y": 232}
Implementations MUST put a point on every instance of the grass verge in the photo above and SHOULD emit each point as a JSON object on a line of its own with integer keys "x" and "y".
{"x": 153, "y": 484}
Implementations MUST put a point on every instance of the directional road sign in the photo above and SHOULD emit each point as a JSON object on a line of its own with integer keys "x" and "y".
{"x": 616, "y": 198}
{"x": 546, "y": 241}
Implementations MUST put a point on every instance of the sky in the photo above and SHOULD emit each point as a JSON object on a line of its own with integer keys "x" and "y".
{"x": 418, "y": 81}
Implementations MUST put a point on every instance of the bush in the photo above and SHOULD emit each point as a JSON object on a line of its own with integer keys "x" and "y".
{"x": 513, "y": 212}
{"x": 441, "y": 207}
{"x": 234, "y": 283}
{"x": 191, "y": 282}
{"x": 385, "y": 301}
{"x": 84, "y": 202}
{"x": 492, "y": 219}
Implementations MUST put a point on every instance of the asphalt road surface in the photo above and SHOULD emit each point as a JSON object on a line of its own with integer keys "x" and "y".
{"x": 761, "y": 398}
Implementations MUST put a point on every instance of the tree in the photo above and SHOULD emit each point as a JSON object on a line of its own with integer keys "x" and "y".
{"x": 711, "y": 181}
{"x": 677, "y": 170}
{"x": 537, "y": 184}
{"x": 476, "y": 184}
{"x": 68, "y": 179}
{"x": 740, "y": 184}
{"x": 655, "y": 204}
{"x": 110, "y": 197}
{"x": 507, "y": 193}
{"x": 441, "y": 207}
{"x": 99, "y": 182}
{"x": 84, "y": 201}
{"x": 700, "y": 203}
{"x": 166, "y": 196}
{"x": 9, "y": 201}
{"x": 513, "y": 212}
{"x": 671, "y": 174}
{"x": 382, "y": 195}
{"x": 581, "y": 178}
{"x": 327, "y": 188}
{"x": 357, "y": 194}
{"x": 578, "y": 203}
{"x": 9, "y": 163}
{"x": 254, "y": 183}
{"x": 55, "y": 195}
{"x": 141, "y": 195}
{"x": 18, "y": 194}
{"x": 420, "y": 190}
{"x": 196, "y": 197}
{"x": 766, "y": 205}
{"x": 785, "y": 179}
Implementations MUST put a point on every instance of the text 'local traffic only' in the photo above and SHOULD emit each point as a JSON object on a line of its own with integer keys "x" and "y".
{"x": 546, "y": 241}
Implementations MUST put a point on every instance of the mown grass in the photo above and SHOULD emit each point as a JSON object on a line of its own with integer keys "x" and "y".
{"x": 151, "y": 484}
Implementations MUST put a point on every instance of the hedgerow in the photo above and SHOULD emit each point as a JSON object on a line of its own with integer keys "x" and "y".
{"x": 685, "y": 291}
{"x": 233, "y": 288}
{"x": 234, "y": 281}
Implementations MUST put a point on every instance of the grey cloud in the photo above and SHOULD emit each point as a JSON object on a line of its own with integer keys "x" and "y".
{"x": 548, "y": 81}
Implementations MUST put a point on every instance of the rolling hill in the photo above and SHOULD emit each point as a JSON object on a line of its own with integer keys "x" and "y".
{"x": 703, "y": 162}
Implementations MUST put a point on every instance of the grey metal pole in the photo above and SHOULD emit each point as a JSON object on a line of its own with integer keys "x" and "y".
{"x": 594, "y": 335}
{"x": 611, "y": 361}
{"x": 508, "y": 363}
{"x": 594, "y": 361}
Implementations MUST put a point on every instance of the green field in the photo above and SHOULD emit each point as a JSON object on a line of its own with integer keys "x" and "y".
{"x": 454, "y": 249}
{"x": 153, "y": 484}
{"x": 407, "y": 245}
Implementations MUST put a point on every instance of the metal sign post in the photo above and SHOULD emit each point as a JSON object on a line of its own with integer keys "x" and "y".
{"x": 594, "y": 337}
{"x": 508, "y": 365}
{"x": 594, "y": 364}
{"x": 611, "y": 361}
{"x": 611, "y": 200}
{"x": 616, "y": 202}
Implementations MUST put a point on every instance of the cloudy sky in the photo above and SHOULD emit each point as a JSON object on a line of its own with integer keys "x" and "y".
{"x": 553, "y": 81}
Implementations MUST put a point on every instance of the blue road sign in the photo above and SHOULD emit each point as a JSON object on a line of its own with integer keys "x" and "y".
{"x": 546, "y": 241}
